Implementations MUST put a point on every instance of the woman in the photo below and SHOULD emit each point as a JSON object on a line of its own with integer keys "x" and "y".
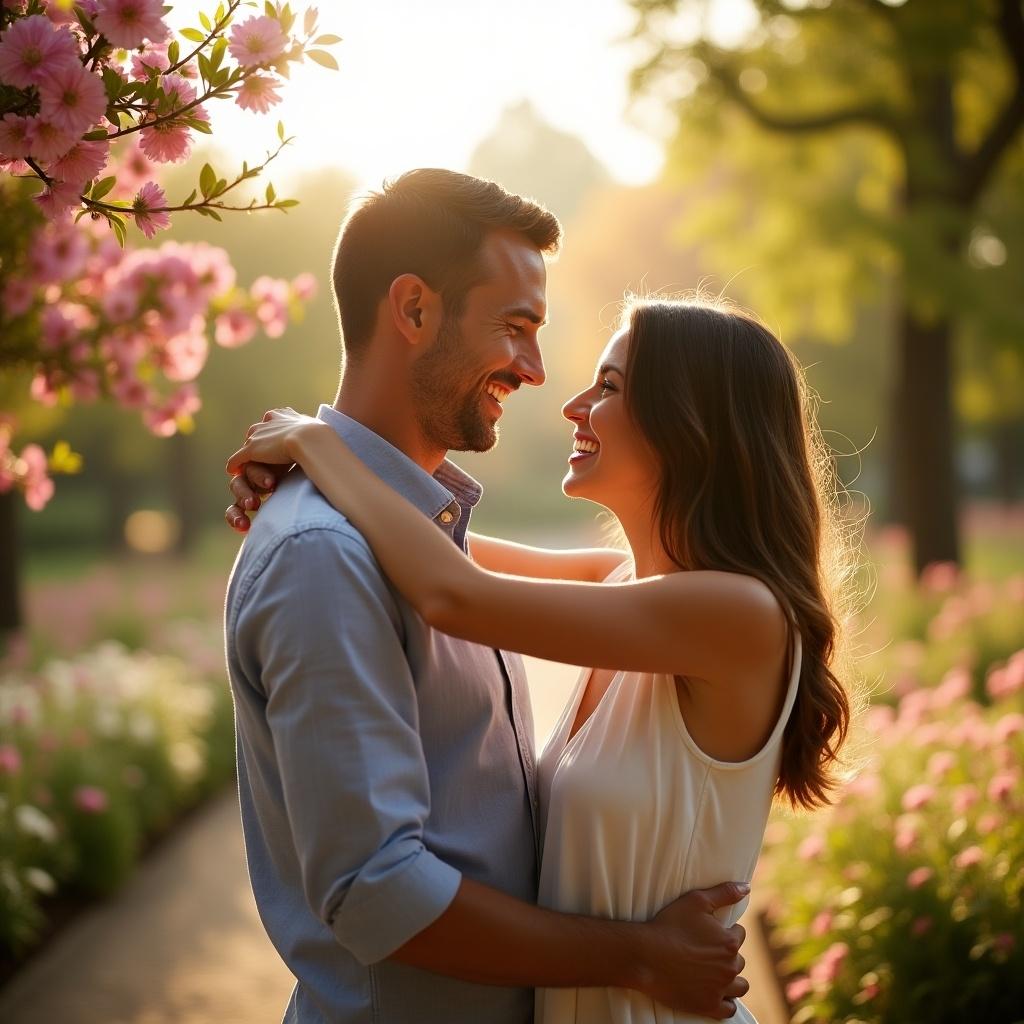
{"x": 710, "y": 688}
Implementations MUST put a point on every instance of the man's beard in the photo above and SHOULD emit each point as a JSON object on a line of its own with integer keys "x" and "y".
{"x": 449, "y": 417}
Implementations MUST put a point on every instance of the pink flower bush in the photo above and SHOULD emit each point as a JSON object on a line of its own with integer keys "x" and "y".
{"x": 919, "y": 876}
{"x": 96, "y": 750}
{"x": 921, "y": 853}
{"x": 91, "y": 799}
{"x": 918, "y": 796}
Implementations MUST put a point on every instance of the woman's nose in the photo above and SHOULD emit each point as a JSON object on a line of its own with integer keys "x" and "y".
{"x": 575, "y": 410}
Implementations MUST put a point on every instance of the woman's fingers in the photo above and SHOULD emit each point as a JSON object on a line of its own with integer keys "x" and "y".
{"x": 236, "y": 519}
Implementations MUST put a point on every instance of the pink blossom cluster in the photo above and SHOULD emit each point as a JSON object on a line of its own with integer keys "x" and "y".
{"x": 27, "y": 470}
{"x": 54, "y": 65}
{"x": 133, "y": 325}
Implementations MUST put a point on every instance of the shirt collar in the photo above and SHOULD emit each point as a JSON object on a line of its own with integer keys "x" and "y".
{"x": 448, "y": 497}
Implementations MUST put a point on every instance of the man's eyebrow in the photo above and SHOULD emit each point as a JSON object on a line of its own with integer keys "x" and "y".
{"x": 609, "y": 368}
{"x": 526, "y": 313}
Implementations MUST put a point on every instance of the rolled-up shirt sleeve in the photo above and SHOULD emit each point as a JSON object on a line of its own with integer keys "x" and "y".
{"x": 341, "y": 707}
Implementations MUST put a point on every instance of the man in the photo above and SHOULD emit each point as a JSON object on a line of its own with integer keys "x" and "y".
{"x": 386, "y": 771}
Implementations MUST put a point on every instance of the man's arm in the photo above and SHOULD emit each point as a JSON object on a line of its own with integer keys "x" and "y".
{"x": 684, "y": 958}
{"x": 342, "y": 711}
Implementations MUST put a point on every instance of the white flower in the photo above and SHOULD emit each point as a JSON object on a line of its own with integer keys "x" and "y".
{"x": 40, "y": 880}
{"x": 142, "y": 727}
{"x": 33, "y": 822}
{"x": 187, "y": 760}
{"x": 19, "y": 702}
{"x": 107, "y": 721}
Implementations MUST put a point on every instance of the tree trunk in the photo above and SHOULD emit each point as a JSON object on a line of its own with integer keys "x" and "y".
{"x": 10, "y": 564}
{"x": 924, "y": 439}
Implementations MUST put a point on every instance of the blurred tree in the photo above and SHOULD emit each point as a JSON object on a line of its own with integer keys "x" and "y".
{"x": 852, "y": 143}
{"x": 529, "y": 156}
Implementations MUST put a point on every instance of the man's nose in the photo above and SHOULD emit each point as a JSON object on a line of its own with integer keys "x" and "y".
{"x": 529, "y": 362}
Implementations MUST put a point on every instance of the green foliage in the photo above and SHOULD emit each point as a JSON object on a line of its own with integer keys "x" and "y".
{"x": 816, "y": 135}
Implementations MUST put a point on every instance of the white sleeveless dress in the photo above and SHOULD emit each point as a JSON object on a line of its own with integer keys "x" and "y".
{"x": 635, "y": 814}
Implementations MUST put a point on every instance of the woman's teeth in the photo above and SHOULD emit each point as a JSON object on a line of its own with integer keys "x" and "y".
{"x": 589, "y": 447}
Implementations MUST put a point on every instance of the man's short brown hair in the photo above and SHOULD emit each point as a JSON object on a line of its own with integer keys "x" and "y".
{"x": 429, "y": 222}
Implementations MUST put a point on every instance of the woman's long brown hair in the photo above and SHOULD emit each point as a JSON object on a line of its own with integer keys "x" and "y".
{"x": 747, "y": 486}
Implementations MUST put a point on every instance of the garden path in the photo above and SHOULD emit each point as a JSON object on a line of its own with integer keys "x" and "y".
{"x": 182, "y": 942}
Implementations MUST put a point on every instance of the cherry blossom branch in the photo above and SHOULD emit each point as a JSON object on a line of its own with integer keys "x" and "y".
{"x": 217, "y": 29}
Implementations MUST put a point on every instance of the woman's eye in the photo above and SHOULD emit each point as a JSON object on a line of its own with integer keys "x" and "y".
{"x": 605, "y": 387}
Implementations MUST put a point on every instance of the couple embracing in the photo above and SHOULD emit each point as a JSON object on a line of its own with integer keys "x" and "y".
{"x": 413, "y": 860}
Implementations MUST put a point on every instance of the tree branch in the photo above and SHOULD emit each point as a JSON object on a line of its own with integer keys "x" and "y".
{"x": 877, "y": 116}
{"x": 979, "y": 166}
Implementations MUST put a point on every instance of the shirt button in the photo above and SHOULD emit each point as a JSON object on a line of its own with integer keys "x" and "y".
{"x": 446, "y": 517}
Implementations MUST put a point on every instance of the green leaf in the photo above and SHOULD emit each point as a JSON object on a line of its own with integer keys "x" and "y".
{"x": 96, "y": 136}
{"x": 101, "y": 188}
{"x": 219, "y": 16}
{"x": 214, "y": 214}
{"x": 174, "y": 52}
{"x": 287, "y": 19}
{"x": 85, "y": 21}
{"x": 284, "y": 203}
{"x": 217, "y": 53}
{"x": 113, "y": 83}
{"x": 193, "y": 34}
{"x": 280, "y": 130}
{"x": 199, "y": 126}
{"x": 269, "y": 9}
{"x": 309, "y": 22}
{"x": 120, "y": 232}
{"x": 323, "y": 58}
{"x": 191, "y": 196}
{"x": 205, "y": 22}
{"x": 271, "y": 194}
{"x": 327, "y": 40}
{"x": 207, "y": 180}
{"x": 219, "y": 187}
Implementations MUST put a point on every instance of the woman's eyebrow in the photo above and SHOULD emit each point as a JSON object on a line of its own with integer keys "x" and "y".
{"x": 609, "y": 368}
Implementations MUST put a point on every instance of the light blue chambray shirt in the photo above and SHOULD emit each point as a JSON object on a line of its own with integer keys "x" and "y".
{"x": 378, "y": 759}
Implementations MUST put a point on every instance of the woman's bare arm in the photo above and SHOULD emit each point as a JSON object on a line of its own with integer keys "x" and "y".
{"x": 514, "y": 559}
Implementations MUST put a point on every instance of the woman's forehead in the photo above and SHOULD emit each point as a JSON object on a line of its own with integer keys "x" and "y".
{"x": 616, "y": 349}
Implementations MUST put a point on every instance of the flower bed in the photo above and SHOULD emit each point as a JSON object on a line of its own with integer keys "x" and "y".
{"x": 902, "y": 902}
{"x": 98, "y": 754}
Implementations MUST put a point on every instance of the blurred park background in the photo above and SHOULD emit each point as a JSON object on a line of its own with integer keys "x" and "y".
{"x": 853, "y": 171}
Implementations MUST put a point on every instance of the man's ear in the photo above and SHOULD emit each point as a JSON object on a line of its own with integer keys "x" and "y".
{"x": 415, "y": 309}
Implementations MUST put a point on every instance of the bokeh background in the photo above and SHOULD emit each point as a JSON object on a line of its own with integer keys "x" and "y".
{"x": 853, "y": 171}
